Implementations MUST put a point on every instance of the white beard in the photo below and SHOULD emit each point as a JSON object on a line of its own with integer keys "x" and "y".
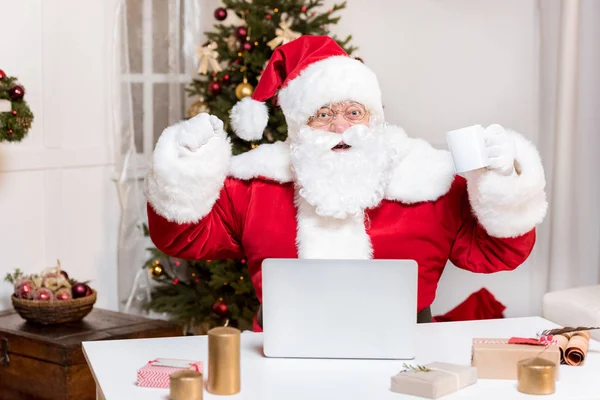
{"x": 344, "y": 183}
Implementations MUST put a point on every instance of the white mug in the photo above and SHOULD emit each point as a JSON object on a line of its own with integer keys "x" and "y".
{"x": 467, "y": 146}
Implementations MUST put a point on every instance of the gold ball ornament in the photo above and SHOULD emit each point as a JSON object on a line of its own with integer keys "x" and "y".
{"x": 198, "y": 107}
{"x": 244, "y": 89}
{"x": 156, "y": 270}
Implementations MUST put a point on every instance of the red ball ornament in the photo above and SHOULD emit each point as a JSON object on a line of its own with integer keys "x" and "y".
{"x": 246, "y": 46}
{"x": 220, "y": 308}
{"x": 16, "y": 92}
{"x": 214, "y": 88}
{"x": 44, "y": 294}
{"x": 78, "y": 290}
{"x": 241, "y": 32}
{"x": 226, "y": 78}
{"x": 2, "y": 75}
{"x": 88, "y": 290}
{"x": 268, "y": 16}
{"x": 220, "y": 14}
{"x": 63, "y": 294}
{"x": 25, "y": 290}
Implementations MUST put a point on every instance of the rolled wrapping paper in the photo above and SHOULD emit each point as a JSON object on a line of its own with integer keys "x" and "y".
{"x": 573, "y": 347}
{"x": 186, "y": 385}
{"x": 576, "y": 348}
{"x": 223, "y": 361}
{"x": 536, "y": 376}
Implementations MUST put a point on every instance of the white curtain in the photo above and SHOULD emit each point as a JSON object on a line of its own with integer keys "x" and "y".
{"x": 568, "y": 249}
{"x": 139, "y": 46}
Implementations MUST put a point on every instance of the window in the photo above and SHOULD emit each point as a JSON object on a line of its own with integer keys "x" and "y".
{"x": 158, "y": 43}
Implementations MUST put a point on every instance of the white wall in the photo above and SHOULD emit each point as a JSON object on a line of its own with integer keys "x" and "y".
{"x": 57, "y": 200}
{"x": 447, "y": 64}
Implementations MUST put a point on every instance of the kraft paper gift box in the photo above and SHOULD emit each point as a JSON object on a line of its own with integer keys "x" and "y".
{"x": 438, "y": 380}
{"x": 157, "y": 373}
{"x": 498, "y": 359}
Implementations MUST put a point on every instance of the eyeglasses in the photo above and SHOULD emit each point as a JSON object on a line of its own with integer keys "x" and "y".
{"x": 353, "y": 113}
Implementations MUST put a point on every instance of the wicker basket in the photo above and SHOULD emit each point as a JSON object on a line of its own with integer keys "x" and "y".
{"x": 54, "y": 311}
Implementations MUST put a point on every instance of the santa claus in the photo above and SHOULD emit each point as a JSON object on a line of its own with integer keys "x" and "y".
{"x": 344, "y": 185}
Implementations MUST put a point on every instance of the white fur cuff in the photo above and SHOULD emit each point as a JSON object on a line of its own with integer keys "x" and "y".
{"x": 510, "y": 206}
{"x": 183, "y": 186}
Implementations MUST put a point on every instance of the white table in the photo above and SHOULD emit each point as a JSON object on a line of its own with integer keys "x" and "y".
{"x": 114, "y": 365}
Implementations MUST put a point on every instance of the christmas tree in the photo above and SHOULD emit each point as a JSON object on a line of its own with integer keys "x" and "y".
{"x": 204, "y": 294}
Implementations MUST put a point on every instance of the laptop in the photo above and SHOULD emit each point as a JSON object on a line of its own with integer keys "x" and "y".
{"x": 362, "y": 309}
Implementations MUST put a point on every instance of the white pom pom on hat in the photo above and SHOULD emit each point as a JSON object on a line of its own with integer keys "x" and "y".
{"x": 249, "y": 118}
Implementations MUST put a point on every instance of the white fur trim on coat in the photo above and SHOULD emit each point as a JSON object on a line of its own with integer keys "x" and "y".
{"x": 327, "y": 238}
{"x": 273, "y": 160}
{"x": 510, "y": 206}
{"x": 249, "y": 118}
{"x": 183, "y": 186}
{"x": 420, "y": 172}
{"x": 331, "y": 80}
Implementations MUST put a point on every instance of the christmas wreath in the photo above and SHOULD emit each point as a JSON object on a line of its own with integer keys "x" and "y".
{"x": 15, "y": 115}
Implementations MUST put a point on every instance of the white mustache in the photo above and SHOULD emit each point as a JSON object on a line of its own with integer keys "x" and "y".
{"x": 352, "y": 136}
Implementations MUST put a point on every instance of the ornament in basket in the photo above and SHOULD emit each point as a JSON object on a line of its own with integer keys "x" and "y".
{"x": 51, "y": 297}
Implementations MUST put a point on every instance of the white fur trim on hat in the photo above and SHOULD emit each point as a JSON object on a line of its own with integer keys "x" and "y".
{"x": 249, "y": 118}
{"x": 331, "y": 80}
{"x": 510, "y": 206}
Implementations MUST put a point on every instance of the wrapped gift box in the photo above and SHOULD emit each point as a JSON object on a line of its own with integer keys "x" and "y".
{"x": 434, "y": 380}
{"x": 157, "y": 373}
{"x": 498, "y": 358}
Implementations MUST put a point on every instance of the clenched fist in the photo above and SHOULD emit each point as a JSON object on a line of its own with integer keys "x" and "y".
{"x": 196, "y": 132}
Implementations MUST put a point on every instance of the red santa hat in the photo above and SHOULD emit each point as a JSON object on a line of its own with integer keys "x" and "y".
{"x": 306, "y": 74}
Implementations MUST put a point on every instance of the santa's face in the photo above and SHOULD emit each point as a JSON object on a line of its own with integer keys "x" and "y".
{"x": 341, "y": 161}
{"x": 338, "y": 118}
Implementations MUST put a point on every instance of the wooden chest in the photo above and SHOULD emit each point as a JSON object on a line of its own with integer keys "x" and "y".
{"x": 46, "y": 362}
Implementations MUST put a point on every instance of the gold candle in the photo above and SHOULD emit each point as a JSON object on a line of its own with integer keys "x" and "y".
{"x": 536, "y": 376}
{"x": 223, "y": 361}
{"x": 186, "y": 385}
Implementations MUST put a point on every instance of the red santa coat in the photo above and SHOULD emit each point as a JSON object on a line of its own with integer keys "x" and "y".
{"x": 484, "y": 225}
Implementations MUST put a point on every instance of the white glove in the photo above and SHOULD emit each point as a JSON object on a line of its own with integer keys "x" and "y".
{"x": 500, "y": 148}
{"x": 196, "y": 132}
